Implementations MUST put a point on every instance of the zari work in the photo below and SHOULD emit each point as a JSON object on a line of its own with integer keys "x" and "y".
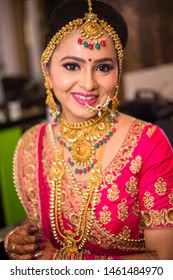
{"x": 124, "y": 205}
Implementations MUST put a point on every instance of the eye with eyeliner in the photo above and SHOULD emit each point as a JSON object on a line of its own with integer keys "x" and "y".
{"x": 104, "y": 68}
{"x": 71, "y": 66}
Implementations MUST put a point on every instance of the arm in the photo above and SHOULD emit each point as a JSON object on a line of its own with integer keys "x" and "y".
{"x": 156, "y": 196}
{"x": 160, "y": 240}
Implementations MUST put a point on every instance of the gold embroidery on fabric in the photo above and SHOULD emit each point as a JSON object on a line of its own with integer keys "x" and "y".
{"x": 31, "y": 194}
{"x": 102, "y": 187}
{"x": 171, "y": 198}
{"x": 123, "y": 210}
{"x": 98, "y": 200}
{"x": 141, "y": 226}
{"x": 126, "y": 150}
{"x": 113, "y": 193}
{"x": 105, "y": 215}
{"x": 110, "y": 178}
{"x": 136, "y": 165}
{"x": 131, "y": 187}
{"x": 101, "y": 237}
{"x": 169, "y": 216}
{"x": 125, "y": 233}
{"x": 136, "y": 208}
{"x": 151, "y": 130}
{"x": 160, "y": 186}
{"x": 156, "y": 218}
{"x": 25, "y": 170}
{"x": 148, "y": 200}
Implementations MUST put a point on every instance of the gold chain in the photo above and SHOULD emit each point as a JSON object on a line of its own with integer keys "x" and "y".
{"x": 72, "y": 242}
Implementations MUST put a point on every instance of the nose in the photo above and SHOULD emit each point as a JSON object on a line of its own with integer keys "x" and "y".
{"x": 88, "y": 81}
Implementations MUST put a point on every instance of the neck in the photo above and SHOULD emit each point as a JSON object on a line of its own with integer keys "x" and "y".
{"x": 95, "y": 120}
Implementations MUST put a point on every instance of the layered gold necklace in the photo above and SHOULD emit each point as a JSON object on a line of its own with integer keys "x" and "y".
{"x": 77, "y": 134}
{"x": 82, "y": 140}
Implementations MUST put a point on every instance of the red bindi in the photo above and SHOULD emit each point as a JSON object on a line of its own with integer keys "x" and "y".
{"x": 90, "y": 59}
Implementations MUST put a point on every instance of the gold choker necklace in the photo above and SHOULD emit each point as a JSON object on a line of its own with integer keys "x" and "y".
{"x": 82, "y": 140}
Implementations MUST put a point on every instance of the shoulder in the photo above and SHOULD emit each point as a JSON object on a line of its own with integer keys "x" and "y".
{"x": 149, "y": 135}
{"x": 29, "y": 137}
{"x": 25, "y": 171}
{"x": 149, "y": 129}
{"x": 32, "y": 131}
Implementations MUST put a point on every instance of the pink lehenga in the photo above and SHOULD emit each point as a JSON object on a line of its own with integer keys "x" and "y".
{"x": 136, "y": 191}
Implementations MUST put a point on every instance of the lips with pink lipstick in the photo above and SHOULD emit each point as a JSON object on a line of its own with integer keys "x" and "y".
{"x": 83, "y": 98}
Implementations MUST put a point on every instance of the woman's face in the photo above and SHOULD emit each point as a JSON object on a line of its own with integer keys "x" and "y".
{"x": 74, "y": 73}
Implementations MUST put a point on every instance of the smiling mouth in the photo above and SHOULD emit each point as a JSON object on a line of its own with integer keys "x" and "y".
{"x": 82, "y": 98}
{"x": 85, "y": 97}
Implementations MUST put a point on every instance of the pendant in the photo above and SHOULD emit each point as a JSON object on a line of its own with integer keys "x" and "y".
{"x": 82, "y": 152}
{"x": 70, "y": 247}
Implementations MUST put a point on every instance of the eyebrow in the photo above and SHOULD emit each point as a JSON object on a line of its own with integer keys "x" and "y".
{"x": 84, "y": 61}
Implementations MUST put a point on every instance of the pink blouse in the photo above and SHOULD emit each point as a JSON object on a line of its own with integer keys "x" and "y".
{"x": 136, "y": 191}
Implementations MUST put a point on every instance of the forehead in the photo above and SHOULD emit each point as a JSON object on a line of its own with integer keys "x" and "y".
{"x": 70, "y": 46}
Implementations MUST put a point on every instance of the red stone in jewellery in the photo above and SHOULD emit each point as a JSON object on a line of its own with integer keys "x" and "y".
{"x": 99, "y": 107}
{"x": 91, "y": 31}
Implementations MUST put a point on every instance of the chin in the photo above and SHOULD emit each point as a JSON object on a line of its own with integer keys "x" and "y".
{"x": 81, "y": 116}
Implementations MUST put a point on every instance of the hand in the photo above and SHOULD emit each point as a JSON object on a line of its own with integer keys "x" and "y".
{"x": 27, "y": 243}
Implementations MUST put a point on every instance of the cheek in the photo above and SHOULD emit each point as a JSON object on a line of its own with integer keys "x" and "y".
{"x": 60, "y": 81}
{"x": 111, "y": 84}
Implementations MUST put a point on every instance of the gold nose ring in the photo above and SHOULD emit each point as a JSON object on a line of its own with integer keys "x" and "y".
{"x": 96, "y": 86}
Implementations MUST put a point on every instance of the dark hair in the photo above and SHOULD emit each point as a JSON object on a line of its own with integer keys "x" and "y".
{"x": 73, "y": 9}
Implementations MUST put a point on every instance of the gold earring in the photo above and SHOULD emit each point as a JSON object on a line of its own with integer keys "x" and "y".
{"x": 114, "y": 101}
{"x": 54, "y": 112}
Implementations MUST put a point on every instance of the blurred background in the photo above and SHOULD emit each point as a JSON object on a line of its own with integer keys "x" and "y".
{"x": 147, "y": 84}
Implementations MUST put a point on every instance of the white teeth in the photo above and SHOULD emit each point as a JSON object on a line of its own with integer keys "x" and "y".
{"x": 85, "y": 98}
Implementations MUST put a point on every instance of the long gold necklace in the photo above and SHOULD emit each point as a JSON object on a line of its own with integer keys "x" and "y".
{"x": 73, "y": 241}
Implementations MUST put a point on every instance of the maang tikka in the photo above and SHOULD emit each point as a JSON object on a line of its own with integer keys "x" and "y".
{"x": 91, "y": 30}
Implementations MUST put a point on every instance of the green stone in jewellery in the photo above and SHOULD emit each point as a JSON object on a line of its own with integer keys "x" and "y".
{"x": 91, "y": 36}
{"x": 90, "y": 46}
{"x": 91, "y": 31}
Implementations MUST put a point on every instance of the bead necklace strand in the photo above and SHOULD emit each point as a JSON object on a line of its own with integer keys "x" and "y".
{"x": 94, "y": 142}
{"x": 70, "y": 239}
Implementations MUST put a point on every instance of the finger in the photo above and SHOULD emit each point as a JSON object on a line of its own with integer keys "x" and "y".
{"x": 32, "y": 256}
{"x": 40, "y": 238}
{"x": 26, "y": 249}
{"x": 21, "y": 230}
{"x": 8, "y": 236}
{"x": 25, "y": 230}
{"x": 26, "y": 239}
{"x": 21, "y": 239}
{"x": 32, "y": 229}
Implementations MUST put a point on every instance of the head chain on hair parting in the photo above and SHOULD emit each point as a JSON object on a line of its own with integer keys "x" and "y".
{"x": 91, "y": 30}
